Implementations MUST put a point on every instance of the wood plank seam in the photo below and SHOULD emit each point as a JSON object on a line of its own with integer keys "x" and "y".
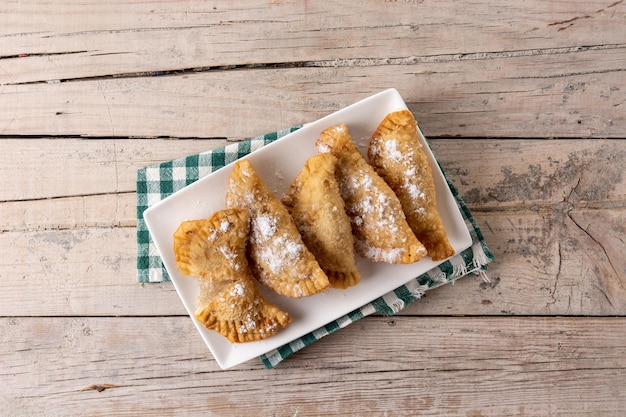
{"x": 334, "y": 63}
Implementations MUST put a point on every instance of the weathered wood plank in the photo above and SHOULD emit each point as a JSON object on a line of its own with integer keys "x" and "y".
{"x": 547, "y": 263}
{"x": 30, "y": 169}
{"x": 556, "y": 253}
{"x": 99, "y": 210}
{"x": 553, "y": 212}
{"x": 531, "y": 174}
{"x": 565, "y": 262}
{"x": 570, "y": 94}
{"x": 76, "y": 267}
{"x": 43, "y": 41}
{"x": 490, "y": 174}
{"x": 560, "y": 367}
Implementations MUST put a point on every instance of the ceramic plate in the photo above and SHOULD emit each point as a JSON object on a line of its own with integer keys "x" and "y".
{"x": 278, "y": 164}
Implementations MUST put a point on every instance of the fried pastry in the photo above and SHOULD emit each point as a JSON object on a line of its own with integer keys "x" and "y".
{"x": 278, "y": 256}
{"x": 378, "y": 222}
{"x": 214, "y": 251}
{"x": 316, "y": 206}
{"x": 213, "y": 248}
{"x": 238, "y": 311}
{"x": 397, "y": 155}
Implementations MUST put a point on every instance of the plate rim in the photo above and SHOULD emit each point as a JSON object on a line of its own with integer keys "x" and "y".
{"x": 151, "y": 212}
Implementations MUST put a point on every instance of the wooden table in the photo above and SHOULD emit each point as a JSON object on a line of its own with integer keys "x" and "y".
{"x": 523, "y": 102}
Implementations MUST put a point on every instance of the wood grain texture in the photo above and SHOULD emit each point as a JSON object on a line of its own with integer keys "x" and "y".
{"x": 64, "y": 40}
{"x": 572, "y": 94}
{"x": 553, "y": 212}
{"x": 535, "y": 69}
{"x": 432, "y": 366}
{"x": 91, "y": 91}
{"x": 30, "y": 169}
{"x": 489, "y": 174}
{"x": 547, "y": 263}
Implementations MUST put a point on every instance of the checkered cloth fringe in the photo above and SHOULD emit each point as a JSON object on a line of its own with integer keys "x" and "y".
{"x": 156, "y": 182}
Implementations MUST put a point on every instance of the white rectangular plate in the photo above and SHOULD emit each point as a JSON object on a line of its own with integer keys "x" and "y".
{"x": 278, "y": 164}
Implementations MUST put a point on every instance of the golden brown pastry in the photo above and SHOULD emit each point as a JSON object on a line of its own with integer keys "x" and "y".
{"x": 316, "y": 206}
{"x": 378, "y": 223}
{"x": 238, "y": 311}
{"x": 213, "y": 248}
{"x": 278, "y": 256}
{"x": 398, "y": 157}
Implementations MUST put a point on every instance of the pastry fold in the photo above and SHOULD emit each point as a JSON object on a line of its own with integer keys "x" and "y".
{"x": 378, "y": 223}
{"x": 213, "y": 248}
{"x": 315, "y": 204}
{"x": 397, "y": 155}
{"x": 278, "y": 257}
{"x": 239, "y": 312}
{"x": 214, "y": 251}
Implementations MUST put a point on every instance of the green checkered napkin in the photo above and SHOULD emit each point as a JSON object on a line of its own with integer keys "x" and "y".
{"x": 156, "y": 182}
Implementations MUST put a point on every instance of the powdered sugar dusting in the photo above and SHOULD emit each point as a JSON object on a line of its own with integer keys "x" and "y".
{"x": 249, "y": 198}
{"x": 414, "y": 191}
{"x": 366, "y": 181}
{"x": 391, "y": 147}
{"x": 410, "y": 186}
{"x": 230, "y": 256}
{"x": 371, "y": 209}
{"x": 280, "y": 253}
{"x": 248, "y": 324}
{"x": 275, "y": 251}
{"x": 389, "y": 151}
{"x": 378, "y": 254}
{"x": 265, "y": 226}
{"x": 323, "y": 148}
{"x": 237, "y": 290}
{"x": 269, "y": 329}
{"x": 293, "y": 249}
{"x": 224, "y": 227}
